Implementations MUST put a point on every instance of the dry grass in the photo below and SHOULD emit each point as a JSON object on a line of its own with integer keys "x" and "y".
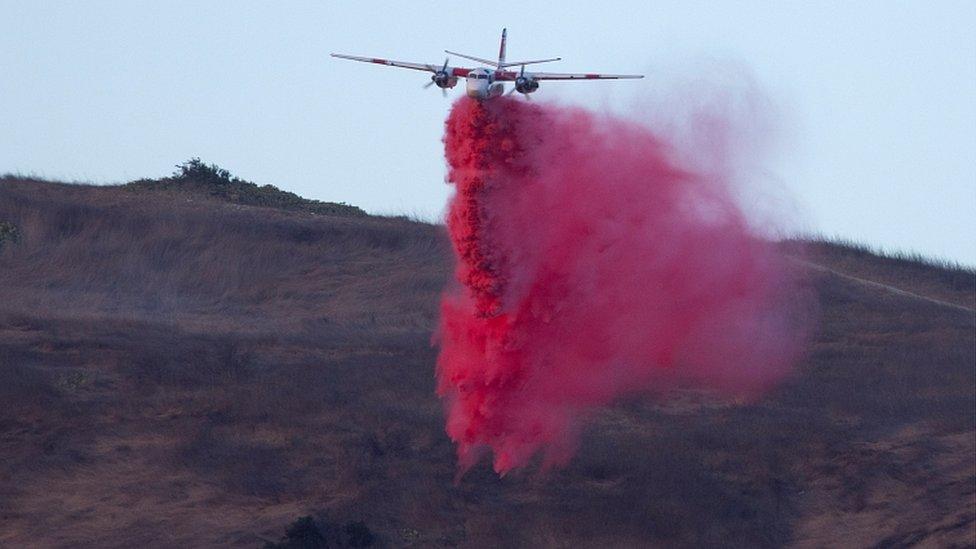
{"x": 936, "y": 278}
{"x": 182, "y": 371}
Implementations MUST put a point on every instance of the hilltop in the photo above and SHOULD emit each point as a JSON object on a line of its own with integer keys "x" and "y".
{"x": 195, "y": 179}
{"x": 198, "y": 360}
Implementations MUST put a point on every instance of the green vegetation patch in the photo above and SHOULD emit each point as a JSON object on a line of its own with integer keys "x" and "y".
{"x": 198, "y": 177}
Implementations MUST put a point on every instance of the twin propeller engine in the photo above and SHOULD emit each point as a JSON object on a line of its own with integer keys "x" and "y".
{"x": 525, "y": 84}
{"x": 442, "y": 78}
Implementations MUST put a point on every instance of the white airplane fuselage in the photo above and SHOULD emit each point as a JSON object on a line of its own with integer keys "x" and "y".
{"x": 480, "y": 84}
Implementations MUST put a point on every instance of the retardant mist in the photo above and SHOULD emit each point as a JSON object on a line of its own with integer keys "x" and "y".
{"x": 592, "y": 267}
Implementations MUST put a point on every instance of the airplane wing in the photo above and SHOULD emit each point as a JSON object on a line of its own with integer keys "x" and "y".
{"x": 455, "y": 71}
{"x": 576, "y": 76}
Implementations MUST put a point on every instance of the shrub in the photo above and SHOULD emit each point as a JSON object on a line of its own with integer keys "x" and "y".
{"x": 304, "y": 533}
{"x": 196, "y": 176}
{"x": 8, "y": 233}
{"x": 358, "y": 534}
{"x": 307, "y": 533}
{"x": 197, "y": 170}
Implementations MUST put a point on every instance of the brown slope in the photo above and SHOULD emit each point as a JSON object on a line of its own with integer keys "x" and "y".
{"x": 933, "y": 279}
{"x": 198, "y": 373}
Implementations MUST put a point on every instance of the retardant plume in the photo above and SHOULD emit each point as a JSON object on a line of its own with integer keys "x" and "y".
{"x": 592, "y": 267}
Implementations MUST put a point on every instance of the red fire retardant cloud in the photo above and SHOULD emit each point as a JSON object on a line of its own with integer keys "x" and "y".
{"x": 591, "y": 267}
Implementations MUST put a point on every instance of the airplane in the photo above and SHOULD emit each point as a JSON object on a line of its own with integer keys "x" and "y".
{"x": 486, "y": 83}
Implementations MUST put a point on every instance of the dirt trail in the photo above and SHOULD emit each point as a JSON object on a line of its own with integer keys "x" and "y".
{"x": 881, "y": 286}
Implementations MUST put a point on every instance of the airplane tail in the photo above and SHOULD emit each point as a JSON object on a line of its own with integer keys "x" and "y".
{"x": 501, "y": 49}
{"x": 501, "y": 64}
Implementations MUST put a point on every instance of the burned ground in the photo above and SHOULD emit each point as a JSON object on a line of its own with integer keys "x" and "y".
{"x": 180, "y": 370}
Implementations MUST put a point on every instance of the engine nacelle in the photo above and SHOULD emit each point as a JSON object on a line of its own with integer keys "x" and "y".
{"x": 444, "y": 80}
{"x": 526, "y": 84}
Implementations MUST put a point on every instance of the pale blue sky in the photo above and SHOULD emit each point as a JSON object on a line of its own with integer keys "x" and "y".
{"x": 873, "y": 103}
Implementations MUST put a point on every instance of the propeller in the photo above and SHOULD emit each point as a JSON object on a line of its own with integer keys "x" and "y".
{"x": 514, "y": 85}
{"x": 438, "y": 73}
{"x": 522, "y": 76}
{"x": 431, "y": 83}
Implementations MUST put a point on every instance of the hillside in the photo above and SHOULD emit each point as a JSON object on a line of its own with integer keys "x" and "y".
{"x": 181, "y": 366}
